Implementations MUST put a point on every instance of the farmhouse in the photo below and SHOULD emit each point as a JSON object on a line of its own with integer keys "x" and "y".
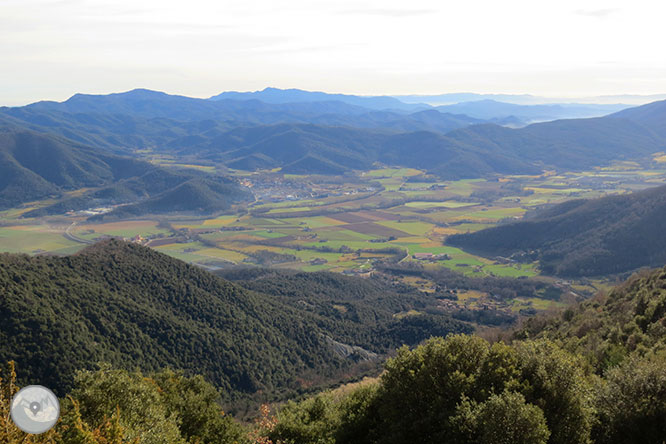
{"x": 423, "y": 256}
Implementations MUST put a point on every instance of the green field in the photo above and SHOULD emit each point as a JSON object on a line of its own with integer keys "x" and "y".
{"x": 445, "y": 204}
{"x": 35, "y": 239}
{"x": 353, "y": 225}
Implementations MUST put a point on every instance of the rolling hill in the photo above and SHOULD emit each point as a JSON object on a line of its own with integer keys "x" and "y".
{"x": 573, "y": 144}
{"x": 36, "y": 166}
{"x": 333, "y": 150}
{"x": 473, "y": 151}
{"x": 198, "y": 195}
{"x": 614, "y": 234}
{"x": 136, "y": 308}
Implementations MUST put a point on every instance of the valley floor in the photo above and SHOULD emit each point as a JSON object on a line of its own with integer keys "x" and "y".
{"x": 347, "y": 224}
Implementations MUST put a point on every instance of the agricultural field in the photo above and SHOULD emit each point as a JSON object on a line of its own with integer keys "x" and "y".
{"x": 311, "y": 224}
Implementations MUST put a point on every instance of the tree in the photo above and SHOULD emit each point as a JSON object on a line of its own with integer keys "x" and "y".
{"x": 313, "y": 421}
{"x": 632, "y": 402}
{"x": 136, "y": 401}
{"x": 556, "y": 383}
{"x": 502, "y": 419}
{"x": 195, "y": 403}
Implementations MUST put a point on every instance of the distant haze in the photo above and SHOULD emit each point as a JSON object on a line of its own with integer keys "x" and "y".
{"x": 563, "y": 51}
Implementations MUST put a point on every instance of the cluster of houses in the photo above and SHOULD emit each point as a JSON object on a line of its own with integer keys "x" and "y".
{"x": 430, "y": 257}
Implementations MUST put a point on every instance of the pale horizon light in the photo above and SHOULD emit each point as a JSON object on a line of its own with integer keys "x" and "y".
{"x": 52, "y": 49}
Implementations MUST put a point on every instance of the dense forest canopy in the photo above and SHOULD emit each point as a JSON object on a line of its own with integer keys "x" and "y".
{"x": 594, "y": 373}
{"x": 131, "y": 306}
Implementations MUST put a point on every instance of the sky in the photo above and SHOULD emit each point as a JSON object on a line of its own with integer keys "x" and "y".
{"x": 52, "y": 49}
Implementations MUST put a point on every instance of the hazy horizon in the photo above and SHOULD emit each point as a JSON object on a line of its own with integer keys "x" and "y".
{"x": 56, "y": 48}
{"x": 515, "y": 98}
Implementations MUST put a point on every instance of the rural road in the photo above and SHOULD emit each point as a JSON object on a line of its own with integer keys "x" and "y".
{"x": 68, "y": 235}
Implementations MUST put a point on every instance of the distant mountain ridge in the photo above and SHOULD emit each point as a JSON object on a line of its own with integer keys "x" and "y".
{"x": 334, "y": 137}
{"x": 276, "y": 95}
{"x": 490, "y": 109}
{"x": 143, "y": 118}
{"x": 613, "y": 234}
{"x": 529, "y": 99}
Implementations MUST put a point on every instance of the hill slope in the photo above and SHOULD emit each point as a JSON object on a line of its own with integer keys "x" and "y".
{"x": 573, "y": 144}
{"x": 472, "y": 151}
{"x": 629, "y": 319}
{"x": 609, "y": 235}
{"x": 652, "y": 115}
{"x": 331, "y": 150}
{"x": 36, "y": 166}
{"x": 134, "y": 307}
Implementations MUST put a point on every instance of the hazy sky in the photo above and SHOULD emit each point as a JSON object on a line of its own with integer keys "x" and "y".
{"x": 51, "y": 49}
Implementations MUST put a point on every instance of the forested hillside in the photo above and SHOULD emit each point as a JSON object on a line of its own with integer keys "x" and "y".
{"x": 609, "y": 235}
{"x": 595, "y": 373}
{"x": 36, "y": 166}
{"x": 611, "y": 327}
{"x": 365, "y": 312}
{"x": 331, "y": 137}
{"x": 133, "y": 307}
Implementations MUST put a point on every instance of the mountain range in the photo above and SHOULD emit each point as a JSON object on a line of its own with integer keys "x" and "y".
{"x": 469, "y": 152}
{"x": 529, "y": 99}
{"x": 322, "y": 137}
{"x": 497, "y": 108}
{"x": 276, "y": 95}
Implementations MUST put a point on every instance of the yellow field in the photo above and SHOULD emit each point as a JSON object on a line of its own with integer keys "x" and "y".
{"x": 442, "y": 231}
{"x": 218, "y": 253}
{"x": 119, "y": 226}
{"x": 220, "y": 221}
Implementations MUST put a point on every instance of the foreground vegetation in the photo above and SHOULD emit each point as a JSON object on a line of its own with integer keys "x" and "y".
{"x": 460, "y": 389}
{"x": 597, "y": 372}
{"x": 594, "y": 373}
{"x": 464, "y": 390}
